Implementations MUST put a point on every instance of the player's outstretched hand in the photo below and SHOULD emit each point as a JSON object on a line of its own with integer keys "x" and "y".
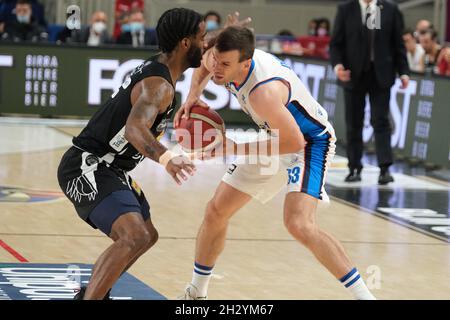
{"x": 178, "y": 167}
{"x": 185, "y": 110}
{"x": 233, "y": 20}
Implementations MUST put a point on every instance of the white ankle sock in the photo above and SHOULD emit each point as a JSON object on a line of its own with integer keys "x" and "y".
{"x": 355, "y": 284}
{"x": 200, "y": 279}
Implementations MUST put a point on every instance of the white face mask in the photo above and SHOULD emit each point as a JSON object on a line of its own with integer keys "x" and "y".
{"x": 24, "y": 19}
{"x": 322, "y": 32}
{"x": 99, "y": 27}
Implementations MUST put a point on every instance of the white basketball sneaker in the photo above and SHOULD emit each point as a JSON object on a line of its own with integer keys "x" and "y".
{"x": 190, "y": 293}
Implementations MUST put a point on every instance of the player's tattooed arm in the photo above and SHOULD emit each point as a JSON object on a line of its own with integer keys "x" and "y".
{"x": 148, "y": 98}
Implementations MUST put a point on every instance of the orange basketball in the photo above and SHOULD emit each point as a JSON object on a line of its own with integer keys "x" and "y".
{"x": 202, "y": 131}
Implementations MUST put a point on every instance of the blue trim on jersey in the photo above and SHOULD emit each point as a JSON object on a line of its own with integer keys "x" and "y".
{"x": 252, "y": 66}
{"x": 290, "y": 94}
{"x": 309, "y": 126}
{"x": 316, "y": 149}
{"x": 315, "y": 165}
{"x": 266, "y": 81}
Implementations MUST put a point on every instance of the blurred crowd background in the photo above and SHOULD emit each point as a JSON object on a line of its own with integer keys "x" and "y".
{"x": 282, "y": 26}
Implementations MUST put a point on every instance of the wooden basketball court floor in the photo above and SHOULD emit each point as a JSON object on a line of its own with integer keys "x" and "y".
{"x": 260, "y": 261}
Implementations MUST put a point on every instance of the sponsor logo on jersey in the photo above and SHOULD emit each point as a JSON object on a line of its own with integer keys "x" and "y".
{"x": 118, "y": 142}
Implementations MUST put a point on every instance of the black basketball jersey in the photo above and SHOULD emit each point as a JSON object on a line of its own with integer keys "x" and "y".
{"x": 104, "y": 135}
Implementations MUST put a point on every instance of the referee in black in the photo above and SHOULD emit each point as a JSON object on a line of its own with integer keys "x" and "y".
{"x": 367, "y": 54}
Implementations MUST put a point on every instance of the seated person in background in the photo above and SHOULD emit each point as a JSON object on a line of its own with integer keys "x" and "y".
{"x": 444, "y": 62}
{"x": 286, "y": 43}
{"x": 414, "y": 51}
{"x": 312, "y": 28}
{"x": 96, "y": 34}
{"x": 323, "y": 27}
{"x": 24, "y": 28}
{"x": 422, "y": 26}
{"x": 124, "y": 24}
{"x": 213, "y": 20}
{"x": 138, "y": 36}
{"x": 8, "y": 11}
{"x": 428, "y": 41}
{"x": 66, "y": 35}
{"x": 123, "y": 9}
{"x": 285, "y": 33}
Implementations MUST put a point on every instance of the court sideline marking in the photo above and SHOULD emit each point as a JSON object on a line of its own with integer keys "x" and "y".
{"x": 13, "y": 252}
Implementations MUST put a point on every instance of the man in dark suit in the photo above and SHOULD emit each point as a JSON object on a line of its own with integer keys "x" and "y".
{"x": 96, "y": 33}
{"x": 367, "y": 52}
{"x": 138, "y": 36}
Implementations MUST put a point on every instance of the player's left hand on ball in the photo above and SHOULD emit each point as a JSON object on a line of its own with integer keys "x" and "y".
{"x": 185, "y": 109}
{"x": 179, "y": 167}
{"x": 226, "y": 148}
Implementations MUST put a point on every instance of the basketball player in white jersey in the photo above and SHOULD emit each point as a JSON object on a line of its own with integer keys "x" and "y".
{"x": 276, "y": 99}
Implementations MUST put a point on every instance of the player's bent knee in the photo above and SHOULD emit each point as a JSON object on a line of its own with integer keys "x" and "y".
{"x": 154, "y": 236}
{"x": 136, "y": 239}
{"x": 303, "y": 231}
{"x": 214, "y": 214}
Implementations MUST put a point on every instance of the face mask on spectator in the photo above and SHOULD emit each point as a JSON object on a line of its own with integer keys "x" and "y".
{"x": 99, "y": 27}
{"x": 312, "y": 32}
{"x": 136, "y": 26}
{"x": 126, "y": 27}
{"x": 322, "y": 32}
{"x": 211, "y": 25}
{"x": 24, "y": 19}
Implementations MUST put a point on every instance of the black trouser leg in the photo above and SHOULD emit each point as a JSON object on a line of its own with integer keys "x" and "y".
{"x": 379, "y": 119}
{"x": 354, "y": 120}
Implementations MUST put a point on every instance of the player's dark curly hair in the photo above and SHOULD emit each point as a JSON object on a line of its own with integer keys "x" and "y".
{"x": 175, "y": 25}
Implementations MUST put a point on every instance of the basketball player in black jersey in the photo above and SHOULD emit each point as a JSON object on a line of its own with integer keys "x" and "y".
{"x": 93, "y": 173}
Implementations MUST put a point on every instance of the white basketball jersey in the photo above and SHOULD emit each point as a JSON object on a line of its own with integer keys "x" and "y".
{"x": 308, "y": 113}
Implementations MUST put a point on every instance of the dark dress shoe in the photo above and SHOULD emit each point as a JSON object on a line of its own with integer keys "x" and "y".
{"x": 80, "y": 294}
{"x": 385, "y": 178}
{"x": 353, "y": 176}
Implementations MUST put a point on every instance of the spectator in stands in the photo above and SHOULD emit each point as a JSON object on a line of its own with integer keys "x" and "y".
{"x": 422, "y": 26}
{"x": 124, "y": 23}
{"x": 286, "y": 43}
{"x": 25, "y": 27}
{"x": 312, "y": 28}
{"x": 138, "y": 36}
{"x": 444, "y": 62}
{"x": 123, "y": 9}
{"x": 95, "y": 34}
{"x": 66, "y": 35}
{"x": 323, "y": 27}
{"x": 428, "y": 41}
{"x": 285, "y": 33}
{"x": 8, "y": 12}
{"x": 414, "y": 51}
{"x": 213, "y": 20}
